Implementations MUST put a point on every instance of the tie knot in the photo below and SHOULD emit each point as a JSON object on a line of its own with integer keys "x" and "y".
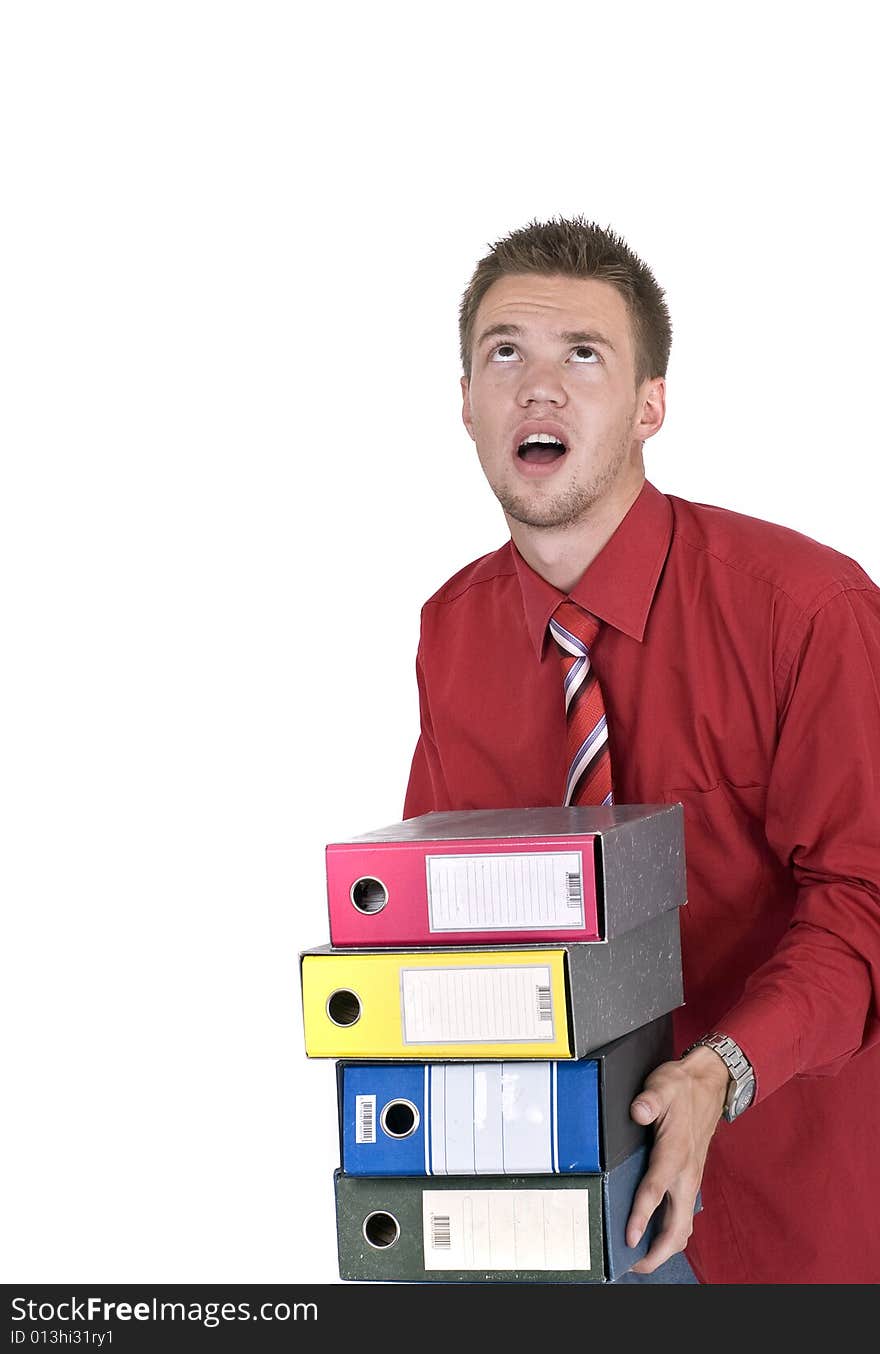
{"x": 573, "y": 628}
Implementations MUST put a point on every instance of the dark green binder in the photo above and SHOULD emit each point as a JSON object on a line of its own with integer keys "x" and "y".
{"x": 548, "y": 1228}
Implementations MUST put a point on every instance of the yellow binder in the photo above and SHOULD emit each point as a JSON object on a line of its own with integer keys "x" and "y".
{"x": 492, "y": 1001}
{"x": 435, "y": 1004}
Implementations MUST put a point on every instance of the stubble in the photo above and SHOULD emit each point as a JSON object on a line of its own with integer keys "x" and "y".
{"x": 570, "y": 504}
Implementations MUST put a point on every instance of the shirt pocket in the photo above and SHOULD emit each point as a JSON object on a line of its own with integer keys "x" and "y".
{"x": 727, "y": 856}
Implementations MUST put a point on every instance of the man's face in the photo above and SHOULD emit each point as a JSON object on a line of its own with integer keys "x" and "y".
{"x": 553, "y": 357}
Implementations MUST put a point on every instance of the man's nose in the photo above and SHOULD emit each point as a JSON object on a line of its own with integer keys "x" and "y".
{"x": 541, "y": 383}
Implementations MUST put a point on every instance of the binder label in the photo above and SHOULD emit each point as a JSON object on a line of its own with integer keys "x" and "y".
{"x": 515, "y": 891}
{"x": 477, "y": 1005}
{"x": 529, "y": 1229}
{"x": 492, "y": 1118}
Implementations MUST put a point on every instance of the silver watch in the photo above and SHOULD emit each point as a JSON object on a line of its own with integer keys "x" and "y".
{"x": 741, "y": 1087}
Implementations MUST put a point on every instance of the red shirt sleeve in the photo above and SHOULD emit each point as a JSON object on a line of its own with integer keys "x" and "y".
{"x": 815, "y": 1002}
{"x": 426, "y": 791}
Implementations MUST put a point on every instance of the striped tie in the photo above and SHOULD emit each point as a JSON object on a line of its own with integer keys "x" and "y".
{"x": 589, "y": 759}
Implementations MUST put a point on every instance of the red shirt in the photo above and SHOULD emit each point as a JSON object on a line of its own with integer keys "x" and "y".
{"x": 740, "y": 668}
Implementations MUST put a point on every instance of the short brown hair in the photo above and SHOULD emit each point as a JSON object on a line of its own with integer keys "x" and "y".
{"x": 577, "y": 248}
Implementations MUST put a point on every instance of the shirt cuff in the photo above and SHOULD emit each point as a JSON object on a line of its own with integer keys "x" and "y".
{"x": 765, "y": 1030}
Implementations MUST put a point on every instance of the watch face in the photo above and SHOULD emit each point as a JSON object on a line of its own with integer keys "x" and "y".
{"x": 743, "y": 1098}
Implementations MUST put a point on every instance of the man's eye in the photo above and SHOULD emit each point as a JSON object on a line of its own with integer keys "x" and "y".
{"x": 505, "y": 352}
{"x": 585, "y": 354}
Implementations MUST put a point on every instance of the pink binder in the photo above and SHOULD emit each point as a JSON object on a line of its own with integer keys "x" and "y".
{"x": 506, "y": 876}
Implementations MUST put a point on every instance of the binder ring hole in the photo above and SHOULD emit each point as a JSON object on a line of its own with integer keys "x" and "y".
{"x": 399, "y": 1118}
{"x": 344, "y": 1007}
{"x": 369, "y": 895}
{"x": 381, "y": 1230}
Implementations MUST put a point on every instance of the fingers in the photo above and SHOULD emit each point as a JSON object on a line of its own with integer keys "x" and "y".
{"x": 652, "y": 1190}
{"x": 675, "y": 1231}
{"x": 682, "y": 1103}
{"x": 647, "y": 1108}
{"x": 647, "y": 1199}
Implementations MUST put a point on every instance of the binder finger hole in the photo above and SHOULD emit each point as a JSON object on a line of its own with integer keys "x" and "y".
{"x": 399, "y": 1118}
{"x": 344, "y": 1007}
{"x": 381, "y": 1230}
{"x": 369, "y": 895}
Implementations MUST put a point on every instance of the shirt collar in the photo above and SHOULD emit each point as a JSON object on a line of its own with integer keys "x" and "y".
{"x": 620, "y": 584}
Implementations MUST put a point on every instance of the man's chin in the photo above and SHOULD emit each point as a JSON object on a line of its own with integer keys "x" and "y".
{"x": 561, "y": 511}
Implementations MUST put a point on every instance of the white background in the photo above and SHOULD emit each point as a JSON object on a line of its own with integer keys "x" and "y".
{"x": 234, "y": 240}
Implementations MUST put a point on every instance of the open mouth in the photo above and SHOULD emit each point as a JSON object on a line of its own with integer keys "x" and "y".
{"x": 541, "y": 449}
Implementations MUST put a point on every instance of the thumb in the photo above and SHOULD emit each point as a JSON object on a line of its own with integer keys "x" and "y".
{"x": 643, "y": 1109}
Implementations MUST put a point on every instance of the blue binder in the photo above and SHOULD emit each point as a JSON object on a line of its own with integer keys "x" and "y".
{"x": 493, "y": 1118}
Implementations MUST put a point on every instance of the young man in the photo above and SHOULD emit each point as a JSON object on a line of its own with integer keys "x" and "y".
{"x": 730, "y": 665}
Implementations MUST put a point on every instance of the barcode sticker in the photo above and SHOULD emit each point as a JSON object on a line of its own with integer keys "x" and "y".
{"x": 517, "y": 891}
{"x": 506, "y": 1229}
{"x": 502, "y": 1004}
{"x": 365, "y": 1118}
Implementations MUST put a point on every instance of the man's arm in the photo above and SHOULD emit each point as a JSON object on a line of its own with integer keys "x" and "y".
{"x": 426, "y": 791}
{"x": 815, "y": 1002}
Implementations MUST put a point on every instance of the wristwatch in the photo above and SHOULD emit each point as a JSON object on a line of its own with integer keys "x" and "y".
{"x": 741, "y": 1088}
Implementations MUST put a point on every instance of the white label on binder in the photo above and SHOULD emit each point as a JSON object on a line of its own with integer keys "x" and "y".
{"x": 491, "y": 1118}
{"x": 527, "y": 1109}
{"x": 527, "y": 1229}
{"x": 460, "y": 1126}
{"x": 365, "y": 1118}
{"x": 510, "y": 892}
{"x": 510, "y": 1004}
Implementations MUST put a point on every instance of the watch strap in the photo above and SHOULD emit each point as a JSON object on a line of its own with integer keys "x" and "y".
{"x": 741, "y": 1073}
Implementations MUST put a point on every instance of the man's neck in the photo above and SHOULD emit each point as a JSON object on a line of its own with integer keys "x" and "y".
{"x": 562, "y": 554}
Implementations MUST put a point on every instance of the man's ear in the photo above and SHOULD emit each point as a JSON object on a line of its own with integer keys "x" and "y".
{"x": 653, "y": 408}
{"x": 466, "y": 407}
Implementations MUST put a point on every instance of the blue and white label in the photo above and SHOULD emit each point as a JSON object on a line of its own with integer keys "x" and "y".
{"x": 492, "y": 1118}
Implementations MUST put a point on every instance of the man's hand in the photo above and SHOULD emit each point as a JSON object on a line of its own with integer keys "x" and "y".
{"x": 684, "y": 1101}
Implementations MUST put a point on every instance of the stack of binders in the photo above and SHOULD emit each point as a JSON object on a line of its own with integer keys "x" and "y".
{"x": 497, "y": 988}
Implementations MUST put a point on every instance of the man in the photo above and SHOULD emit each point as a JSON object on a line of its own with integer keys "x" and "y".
{"x": 734, "y": 667}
